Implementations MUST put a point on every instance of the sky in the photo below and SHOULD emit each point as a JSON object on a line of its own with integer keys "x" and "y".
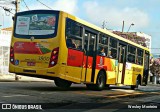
{"x": 144, "y": 14}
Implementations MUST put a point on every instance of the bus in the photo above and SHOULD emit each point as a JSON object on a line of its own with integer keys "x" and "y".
{"x": 55, "y": 45}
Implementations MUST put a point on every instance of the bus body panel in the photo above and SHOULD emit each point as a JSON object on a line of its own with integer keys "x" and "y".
{"x": 132, "y": 71}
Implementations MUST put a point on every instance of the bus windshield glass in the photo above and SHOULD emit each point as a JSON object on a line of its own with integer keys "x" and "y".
{"x": 33, "y": 24}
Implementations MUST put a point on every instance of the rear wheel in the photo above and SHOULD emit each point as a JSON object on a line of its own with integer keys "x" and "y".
{"x": 62, "y": 83}
{"x": 100, "y": 83}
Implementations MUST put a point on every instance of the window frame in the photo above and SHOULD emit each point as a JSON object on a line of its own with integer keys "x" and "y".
{"x": 103, "y": 45}
{"x": 74, "y": 37}
{"x": 131, "y": 53}
{"x": 37, "y": 12}
{"x": 140, "y": 62}
{"x": 114, "y": 48}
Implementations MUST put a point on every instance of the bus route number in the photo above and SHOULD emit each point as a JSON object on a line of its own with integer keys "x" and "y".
{"x": 43, "y": 58}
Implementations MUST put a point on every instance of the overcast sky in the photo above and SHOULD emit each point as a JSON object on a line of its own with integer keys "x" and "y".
{"x": 145, "y": 14}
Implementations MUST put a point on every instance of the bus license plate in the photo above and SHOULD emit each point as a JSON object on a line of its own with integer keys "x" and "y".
{"x": 31, "y": 63}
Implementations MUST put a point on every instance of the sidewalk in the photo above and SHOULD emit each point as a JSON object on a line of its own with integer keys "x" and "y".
{"x": 153, "y": 84}
{"x": 11, "y": 78}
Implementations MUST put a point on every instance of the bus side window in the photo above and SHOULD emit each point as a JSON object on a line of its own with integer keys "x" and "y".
{"x": 73, "y": 35}
{"x": 113, "y": 48}
{"x": 103, "y": 45}
{"x": 139, "y": 56}
{"x": 70, "y": 43}
{"x": 131, "y": 54}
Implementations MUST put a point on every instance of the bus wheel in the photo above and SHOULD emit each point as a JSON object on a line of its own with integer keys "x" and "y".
{"x": 135, "y": 86}
{"x": 101, "y": 81}
{"x": 62, "y": 83}
{"x": 107, "y": 86}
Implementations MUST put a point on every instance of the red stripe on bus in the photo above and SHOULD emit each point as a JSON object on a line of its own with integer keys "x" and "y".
{"x": 27, "y": 48}
{"x": 75, "y": 58}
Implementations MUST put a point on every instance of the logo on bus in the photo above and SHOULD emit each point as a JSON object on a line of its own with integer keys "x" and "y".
{"x": 16, "y": 62}
{"x": 100, "y": 62}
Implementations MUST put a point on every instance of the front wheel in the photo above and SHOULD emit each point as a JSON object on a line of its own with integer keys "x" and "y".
{"x": 100, "y": 83}
{"x": 62, "y": 83}
{"x": 133, "y": 87}
{"x": 107, "y": 86}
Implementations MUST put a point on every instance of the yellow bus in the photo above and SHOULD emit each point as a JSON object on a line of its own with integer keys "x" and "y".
{"x": 56, "y": 45}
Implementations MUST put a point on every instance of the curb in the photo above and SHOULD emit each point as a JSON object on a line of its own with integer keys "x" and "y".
{"x": 152, "y": 84}
{"x": 7, "y": 80}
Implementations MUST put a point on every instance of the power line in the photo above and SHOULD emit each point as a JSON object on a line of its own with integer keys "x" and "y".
{"x": 7, "y": 9}
{"x": 26, "y": 5}
{"x": 44, "y": 4}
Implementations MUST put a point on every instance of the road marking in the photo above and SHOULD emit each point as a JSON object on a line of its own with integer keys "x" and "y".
{"x": 90, "y": 94}
{"x": 116, "y": 96}
{"x": 158, "y": 93}
{"x": 122, "y": 90}
{"x": 14, "y": 96}
{"x": 113, "y": 95}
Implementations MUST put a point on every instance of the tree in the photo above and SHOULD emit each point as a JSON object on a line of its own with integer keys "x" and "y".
{"x": 132, "y": 37}
{"x": 155, "y": 66}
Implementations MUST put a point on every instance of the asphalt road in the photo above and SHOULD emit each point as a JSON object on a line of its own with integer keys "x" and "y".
{"x": 49, "y": 97}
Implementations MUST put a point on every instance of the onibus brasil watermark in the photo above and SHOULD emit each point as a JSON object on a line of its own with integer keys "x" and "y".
{"x": 21, "y": 107}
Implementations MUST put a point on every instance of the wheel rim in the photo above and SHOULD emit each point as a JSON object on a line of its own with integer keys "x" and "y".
{"x": 137, "y": 83}
{"x": 101, "y": 81}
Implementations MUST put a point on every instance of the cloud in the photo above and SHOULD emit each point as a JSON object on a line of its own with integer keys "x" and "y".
{"x": 97, "y": 13}
{"x": 65, "y": 5}
{"x": 69, "y": 6}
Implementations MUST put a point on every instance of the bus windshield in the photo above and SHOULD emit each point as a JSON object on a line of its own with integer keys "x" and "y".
{"x": 33, "y": 24}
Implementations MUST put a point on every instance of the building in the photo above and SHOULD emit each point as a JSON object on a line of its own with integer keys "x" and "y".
{"x": 5, "y": 39}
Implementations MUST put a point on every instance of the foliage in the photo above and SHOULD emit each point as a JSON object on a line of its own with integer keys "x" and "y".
{"x": 155, "y": 66}
{"x": 132, "y": 37}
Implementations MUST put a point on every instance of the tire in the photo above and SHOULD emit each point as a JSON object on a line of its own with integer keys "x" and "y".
{"x": 107, "y": 86}
{"x": 62, "y": 83}
{"x": 133, "y": 87}
{"x": 100, "y": 83}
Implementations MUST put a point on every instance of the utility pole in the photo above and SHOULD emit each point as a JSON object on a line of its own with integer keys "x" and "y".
{"x": 16, "y": 3}
{"x": 122, "y": 26}
{"x": 104, "y": 24}
{"x": 17, "y": 6}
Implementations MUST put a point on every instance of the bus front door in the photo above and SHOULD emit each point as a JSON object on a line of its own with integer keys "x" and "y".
{"x": 88, "y": 70}
{"x": 121, "y": 64}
